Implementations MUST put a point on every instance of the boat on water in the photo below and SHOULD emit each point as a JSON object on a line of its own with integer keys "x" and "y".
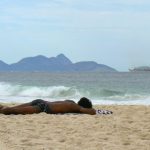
{"x": 142, "y": 68}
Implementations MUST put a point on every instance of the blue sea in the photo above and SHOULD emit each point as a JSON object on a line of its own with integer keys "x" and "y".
{"x": 131, "y": 88}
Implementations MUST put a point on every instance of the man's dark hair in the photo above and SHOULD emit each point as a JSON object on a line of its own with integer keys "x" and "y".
{"x": 84, "y": 102}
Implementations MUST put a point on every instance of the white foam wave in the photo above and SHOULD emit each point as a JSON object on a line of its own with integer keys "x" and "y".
{"x": 7, "y": 89}
{"x": 19, "y": 93}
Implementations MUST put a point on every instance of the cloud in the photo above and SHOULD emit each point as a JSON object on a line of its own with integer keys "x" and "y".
{"x": 85, "y": 14}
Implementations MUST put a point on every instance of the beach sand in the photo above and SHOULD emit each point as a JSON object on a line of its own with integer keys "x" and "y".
{"x": 127, "y": 129}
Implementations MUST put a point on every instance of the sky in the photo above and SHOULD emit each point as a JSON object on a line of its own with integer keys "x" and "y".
{"x": 111, "y": 32}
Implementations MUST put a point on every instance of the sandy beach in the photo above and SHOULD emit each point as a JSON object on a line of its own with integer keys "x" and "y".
{"x": 127, "y": 129}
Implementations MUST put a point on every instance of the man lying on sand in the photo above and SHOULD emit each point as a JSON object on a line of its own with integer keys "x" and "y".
{"x": 84, "y": 106}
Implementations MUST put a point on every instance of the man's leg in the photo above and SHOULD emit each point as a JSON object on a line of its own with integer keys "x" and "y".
{"x": 24, "y": 105}
{"x": 18, "y": 106}
{"x": 32, "y": 103}
{"x": 20, "y": 110}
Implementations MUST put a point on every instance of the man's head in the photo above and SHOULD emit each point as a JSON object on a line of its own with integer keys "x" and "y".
{"x": 84, "y": 102}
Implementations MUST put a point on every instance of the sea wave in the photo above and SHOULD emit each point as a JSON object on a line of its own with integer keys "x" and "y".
{"x": 20, "y": 93}
{"x": 7, "y": 89}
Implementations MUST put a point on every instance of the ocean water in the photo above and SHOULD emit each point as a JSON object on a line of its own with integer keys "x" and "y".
{"x": 101, "y": 88}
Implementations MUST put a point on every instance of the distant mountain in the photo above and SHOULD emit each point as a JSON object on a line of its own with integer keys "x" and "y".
{"x": 53, "y": 64}
{"x": 91, "y": 66}
{"x": 3, "y": 66}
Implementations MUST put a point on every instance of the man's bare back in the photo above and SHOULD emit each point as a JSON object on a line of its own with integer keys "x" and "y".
{"x": 69, "y": 107}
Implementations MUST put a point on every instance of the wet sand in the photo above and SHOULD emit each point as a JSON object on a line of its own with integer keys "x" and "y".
{"x": 127, "y": 129}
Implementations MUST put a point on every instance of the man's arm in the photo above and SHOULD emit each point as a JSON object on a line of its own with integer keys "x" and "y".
{"x": 89, "y": 111}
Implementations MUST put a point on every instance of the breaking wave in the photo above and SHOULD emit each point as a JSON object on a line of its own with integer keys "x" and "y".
{"x": 20, "y": 93}
{"x": 7, "y": 89}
